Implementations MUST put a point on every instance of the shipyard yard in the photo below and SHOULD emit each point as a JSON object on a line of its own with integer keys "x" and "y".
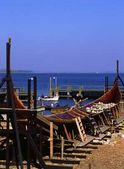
{"x": 62, "y": 84}
{"x": 88, "y": 136}
{"x": 107, "y": 156}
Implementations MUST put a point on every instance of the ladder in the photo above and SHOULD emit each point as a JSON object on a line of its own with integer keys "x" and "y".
{"x": 80, "y": 129}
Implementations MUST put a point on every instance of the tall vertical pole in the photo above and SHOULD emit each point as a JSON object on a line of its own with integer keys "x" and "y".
{"x": 8, "y": 44}
{"x": 50, "y": 87}
{"x": 35, "y": 92}
{"x": 8, "y": 98}
{"x": 29, "y": 93}
{"x": 11, "y": 103}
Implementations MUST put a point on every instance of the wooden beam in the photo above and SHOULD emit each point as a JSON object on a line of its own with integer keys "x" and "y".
{"x": 35, "y": 92}
{"x": 10, "y": 101}
{"x": 29, "y": 93}
{"x": 36, "y": 151}
{"x": 62, "y": 147}
{"x": 51, "y": 140}
{"x": 66, "y": 132}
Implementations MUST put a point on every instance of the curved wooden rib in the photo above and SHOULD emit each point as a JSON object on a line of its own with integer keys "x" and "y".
{"x": 18, "y": 102}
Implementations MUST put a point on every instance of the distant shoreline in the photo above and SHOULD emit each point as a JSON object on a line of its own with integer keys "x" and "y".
{"x": 17, "y": 71}
{"x": 36, "y": 72}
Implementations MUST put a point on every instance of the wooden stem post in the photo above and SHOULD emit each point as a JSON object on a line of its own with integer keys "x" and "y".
{"x": 11, "y": 103}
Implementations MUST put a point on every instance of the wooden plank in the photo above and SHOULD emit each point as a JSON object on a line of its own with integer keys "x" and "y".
{"x": 89, "y": 139}
{"x": 104, "y": 128}
{"x": 44, "y": 120}
{"x": 64, "y": 161}
{"x": 78, "y": 150}
{"x": 58, "y": 166}
{"x": 51, "y": 140}
{"x": 62, "y": 147}
{"x": 72, "y": 155}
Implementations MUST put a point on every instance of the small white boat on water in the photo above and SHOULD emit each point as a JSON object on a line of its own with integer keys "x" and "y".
{"x": 51, "y": 98}
{"x": 47, "y": 98}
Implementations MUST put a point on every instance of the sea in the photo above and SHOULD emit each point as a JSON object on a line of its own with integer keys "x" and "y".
{"x": 63, "y": 80}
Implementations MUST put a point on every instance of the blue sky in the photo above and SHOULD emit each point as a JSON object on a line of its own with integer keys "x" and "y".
{"x": 63, "y": 35}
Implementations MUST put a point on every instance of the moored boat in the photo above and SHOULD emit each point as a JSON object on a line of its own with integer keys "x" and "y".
{"x": 47, "y": 98}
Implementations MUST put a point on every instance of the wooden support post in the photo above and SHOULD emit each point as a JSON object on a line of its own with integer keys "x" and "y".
{"x": 7, "y": 145}
{"x": 51, "y": 140}
{"x": 118, "y": 110}
{"x": 106, "y": 119}
{"x": 35, "y": 92}
{"x": 8, "y": 73}
{"x": 10, "y": 101}
{"x": 36, "y": 151}
{"x": 41, "y": 138}
{"x": 101, "y": 120}
{"x": 113, "y": 112}
{"x": 28, "y": 154}
{"x": 66, "y": 132}
{"x": 62, "y": 147}
{"x": 29, "y": 93}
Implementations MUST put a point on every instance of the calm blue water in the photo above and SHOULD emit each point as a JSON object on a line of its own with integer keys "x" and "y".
{"x": 76, "y": 80}
{"x": 85, "y": 80}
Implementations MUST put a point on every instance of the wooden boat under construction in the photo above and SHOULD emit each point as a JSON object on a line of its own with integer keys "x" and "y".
{"x": 109, "y": 100}
{"x": 92, "y": 119}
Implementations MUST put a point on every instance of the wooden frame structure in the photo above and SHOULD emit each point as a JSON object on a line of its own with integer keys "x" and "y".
{"x": 19, "y": 126}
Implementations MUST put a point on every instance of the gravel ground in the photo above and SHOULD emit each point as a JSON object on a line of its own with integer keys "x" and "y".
{"x": 109, "y": 156}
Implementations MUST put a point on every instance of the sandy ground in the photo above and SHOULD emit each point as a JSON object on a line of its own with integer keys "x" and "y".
{"x": 105, "y": 157}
